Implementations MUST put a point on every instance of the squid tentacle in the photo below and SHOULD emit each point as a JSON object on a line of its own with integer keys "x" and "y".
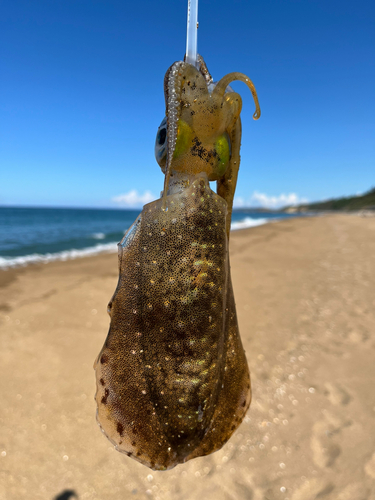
{"x": 221, "y": 86}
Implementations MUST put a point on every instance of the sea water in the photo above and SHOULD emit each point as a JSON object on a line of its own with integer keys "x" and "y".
{"x": 32, "y": 235}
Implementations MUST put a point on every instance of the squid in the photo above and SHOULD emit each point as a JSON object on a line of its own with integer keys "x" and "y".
{"x": 172, "y": 378}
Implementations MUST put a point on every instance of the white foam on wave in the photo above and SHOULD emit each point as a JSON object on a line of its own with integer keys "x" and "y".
{"x": 36, "y": 258}
{"x": 247, "y": 222}
{"x": 98, "y": 236}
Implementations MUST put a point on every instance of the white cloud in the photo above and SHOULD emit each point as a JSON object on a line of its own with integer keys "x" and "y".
{"x": 132, "y": 199}
{"x": 239, "y": 202}
{"x": 265, "y": 201}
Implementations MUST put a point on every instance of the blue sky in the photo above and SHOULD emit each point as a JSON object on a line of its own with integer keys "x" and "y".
{"x": 81, "y": 96}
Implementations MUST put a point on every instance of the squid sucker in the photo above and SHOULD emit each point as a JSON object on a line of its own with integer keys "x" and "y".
{"x": 172, "y": 377}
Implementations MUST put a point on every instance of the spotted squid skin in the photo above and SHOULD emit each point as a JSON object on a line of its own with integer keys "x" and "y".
{"x": 172, "y": 378}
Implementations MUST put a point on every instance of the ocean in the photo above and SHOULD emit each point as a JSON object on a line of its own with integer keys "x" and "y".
{"x": 32, "y": 235}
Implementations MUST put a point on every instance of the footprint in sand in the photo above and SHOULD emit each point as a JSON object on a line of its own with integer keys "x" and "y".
{"x": 354, "y": 491}
{"x": 324, "y": 439}
{"x": 324, "y": 451}
{"x": 313, "y": 489}
{"x": 336, "y": 394}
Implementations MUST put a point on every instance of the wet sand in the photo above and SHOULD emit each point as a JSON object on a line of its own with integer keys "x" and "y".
{"x": 305, "y": 294}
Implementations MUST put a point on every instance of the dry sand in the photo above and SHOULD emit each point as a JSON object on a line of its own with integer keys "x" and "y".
{"x": 305, "y": 293}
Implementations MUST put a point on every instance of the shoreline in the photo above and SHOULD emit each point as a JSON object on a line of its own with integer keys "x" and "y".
{"x": 18, "y": 262}
{"x": 22, "y": 262}
{"x": 7, "y": 263}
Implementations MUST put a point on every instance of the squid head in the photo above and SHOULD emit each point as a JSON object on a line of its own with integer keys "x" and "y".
{"x": 202, "y": 128}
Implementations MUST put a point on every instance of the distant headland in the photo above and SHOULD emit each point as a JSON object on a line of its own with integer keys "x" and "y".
{"x": 364, "y": 202}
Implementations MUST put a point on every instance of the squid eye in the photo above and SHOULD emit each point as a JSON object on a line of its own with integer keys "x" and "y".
{"x": 160, "y": 142}
{"x": 162, "y": 135}
{"x": 184, "y": 138}
{"x": 223, "y": 150}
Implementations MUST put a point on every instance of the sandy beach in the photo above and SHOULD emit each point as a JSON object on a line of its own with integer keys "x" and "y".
{"x": 305, "y": 295}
